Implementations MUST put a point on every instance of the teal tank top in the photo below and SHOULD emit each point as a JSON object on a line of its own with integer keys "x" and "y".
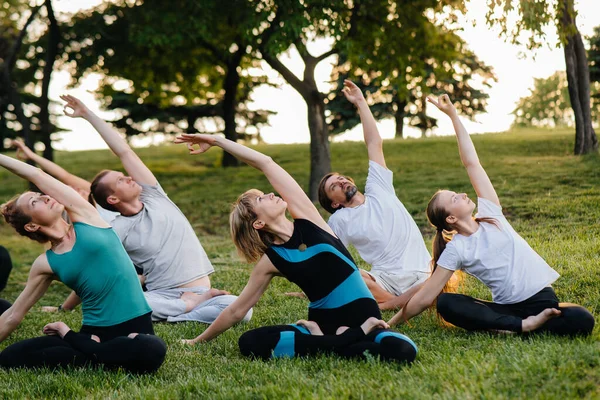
{"x": 99, "y": 270}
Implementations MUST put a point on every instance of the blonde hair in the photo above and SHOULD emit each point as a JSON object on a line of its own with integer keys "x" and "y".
{"x": 251, "y": 243}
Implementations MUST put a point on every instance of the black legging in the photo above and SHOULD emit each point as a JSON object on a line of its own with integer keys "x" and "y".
{"x": 478, "y": 315}
{"x": 292, "y": 340}
{"x": 143, "y": 354}
{"x": 5, "y": 267}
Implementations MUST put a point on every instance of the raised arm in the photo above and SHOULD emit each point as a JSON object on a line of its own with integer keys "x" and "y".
{"x": 25, "y": 153}
{"x": 259, "y": 280}
{"x": 134, "y": 166}
{"x": 299, "y": 204}
{"x": 424, "y": 298}
{"x": 38, "y": 282}
{"x": 371, "y": 134}
{"x": 468, "y": 155}
{"x": 77, "y": 207}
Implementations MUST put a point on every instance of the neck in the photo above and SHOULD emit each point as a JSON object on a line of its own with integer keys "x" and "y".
{"x": 282, "y": 228}
{"x": 467, "y": 227}
{"x": 130, "y": 208}
{"x": 356, "y": 200}
{"x": 57, "y": 232}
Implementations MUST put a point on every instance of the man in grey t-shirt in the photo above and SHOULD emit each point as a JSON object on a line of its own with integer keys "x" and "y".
{"x": 155, "y": 233}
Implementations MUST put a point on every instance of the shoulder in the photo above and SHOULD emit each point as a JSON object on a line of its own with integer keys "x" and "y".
{"x": 41, "y": 266}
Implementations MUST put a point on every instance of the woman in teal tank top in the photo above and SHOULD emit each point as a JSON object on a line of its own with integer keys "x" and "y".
{"x": 88, "y": 257}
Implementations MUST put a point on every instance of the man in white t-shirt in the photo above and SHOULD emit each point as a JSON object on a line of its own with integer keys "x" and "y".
{"x": 376, "y": 223}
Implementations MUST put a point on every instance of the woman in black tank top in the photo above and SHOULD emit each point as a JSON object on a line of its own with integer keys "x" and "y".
{"x": 308, "y": 253}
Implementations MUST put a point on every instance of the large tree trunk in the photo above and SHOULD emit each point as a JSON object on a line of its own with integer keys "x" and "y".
{"x": 3, "y": 127}
{"x": 399, "y": 118}
{"x": 230, "y": 85}
{"x": 320, "y": 159}
{"x": 578, "y": 78}
{"x": 51, "y": 53}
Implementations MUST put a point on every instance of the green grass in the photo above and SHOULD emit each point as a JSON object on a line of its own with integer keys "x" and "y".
{"x": 551, "y": 197}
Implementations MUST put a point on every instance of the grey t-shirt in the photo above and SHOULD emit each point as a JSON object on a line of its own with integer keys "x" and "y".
{"x": 160, "y": 240}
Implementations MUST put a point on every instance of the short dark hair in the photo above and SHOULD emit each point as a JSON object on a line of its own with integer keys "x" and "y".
{"x": 324, "y": 200}
{"x": 99, "y": 192}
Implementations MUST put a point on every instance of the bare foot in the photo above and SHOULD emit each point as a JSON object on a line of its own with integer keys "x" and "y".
{"x": 534, "y": 322}
{"x": 192, "y": 300}
{"x": 373, "y": 323}
{"x": 49, "y": 309}
{"x": 341, "y": 330}
{"x": 95, "y": 338}
{"x": 312, "y": 327}
{"x": 299, "y": 295}
{"x": 132, "y": 335}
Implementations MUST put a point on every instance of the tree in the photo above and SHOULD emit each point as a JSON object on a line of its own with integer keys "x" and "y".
{"x": 356, "y": 28}
{"x": 448, "y": 67}
{"x": 549, "y": 105}
{"x": 185, "y": 62}
{"x": 534, "y": 16}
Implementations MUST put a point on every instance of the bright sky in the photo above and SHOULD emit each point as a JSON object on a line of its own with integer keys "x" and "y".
{"x": 514, "y": 72}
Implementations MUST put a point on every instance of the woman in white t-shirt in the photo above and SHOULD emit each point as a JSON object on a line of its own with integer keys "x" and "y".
{"x": 488, "y": 248}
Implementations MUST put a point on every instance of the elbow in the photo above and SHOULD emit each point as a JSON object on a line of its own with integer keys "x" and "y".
{"x": 266, "y": 163}
{"x": 13, "y": 319}
{"x": 241, "y": 314}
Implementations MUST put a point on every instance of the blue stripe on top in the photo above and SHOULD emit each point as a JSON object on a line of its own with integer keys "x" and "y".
{"x": 296, "y": 256}
{"x": 352, "y": 288}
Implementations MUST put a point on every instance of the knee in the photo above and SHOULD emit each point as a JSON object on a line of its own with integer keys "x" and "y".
{"x": 152, "y": 353}
{"x": 398, "y": 350}
{"x": 257, "y": 343}
{"x": 579, "y": 319}
{"x": 247, "y": 343}
{"x": 444, "y": 303}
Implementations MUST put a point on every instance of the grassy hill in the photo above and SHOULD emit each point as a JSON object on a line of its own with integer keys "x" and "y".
{"x": 551, "y": 197}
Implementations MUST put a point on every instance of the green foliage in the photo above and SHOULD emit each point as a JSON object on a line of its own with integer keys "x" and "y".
{"x": 549, "y": 104}
{"x": 435, "y": 61}
{"x": 173, "y": 59}
{"x": 549, "y": 196}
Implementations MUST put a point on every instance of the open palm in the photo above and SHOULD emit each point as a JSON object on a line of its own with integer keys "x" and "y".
{"x": 352, "y": 92}
{"x": 203, "y": 141}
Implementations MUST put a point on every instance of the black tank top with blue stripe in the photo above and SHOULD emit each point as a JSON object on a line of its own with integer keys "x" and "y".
{"x": 322, "y": 267}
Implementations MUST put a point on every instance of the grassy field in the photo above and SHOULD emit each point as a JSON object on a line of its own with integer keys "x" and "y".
{"x": 551, "y": 197}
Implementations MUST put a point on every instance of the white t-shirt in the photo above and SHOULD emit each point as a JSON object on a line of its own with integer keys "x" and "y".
{"x": 106, "y": 215}
{"x": 381, "y": 229}
{"x": 499, "y": 258}
{"x": 160, "y": 240}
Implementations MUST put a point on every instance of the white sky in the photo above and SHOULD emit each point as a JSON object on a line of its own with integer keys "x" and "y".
{"x": 514, "y": 72}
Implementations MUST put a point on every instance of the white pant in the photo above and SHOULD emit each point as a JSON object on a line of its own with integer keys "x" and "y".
{"x": 167, "y": 305}
{"x": 397, "y": 284}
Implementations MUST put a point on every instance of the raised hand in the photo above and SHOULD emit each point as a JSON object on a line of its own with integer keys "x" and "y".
{"x": 78, "y": 109}
{"x": 203, "y": 141}
{"x": 352, "y": 92}
{"x": 444, "y": 104}
{"x": 56, "y": 328}
{"x": 24, "y": 153}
